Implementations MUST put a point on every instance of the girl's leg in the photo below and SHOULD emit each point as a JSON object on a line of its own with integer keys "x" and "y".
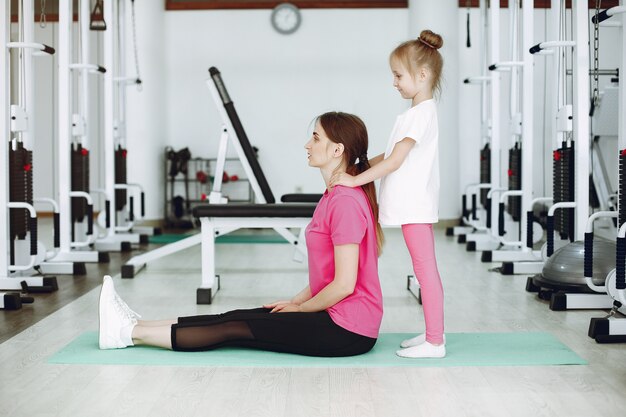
{"x": 153, "y": 335}
{"x": 420, "y": 241}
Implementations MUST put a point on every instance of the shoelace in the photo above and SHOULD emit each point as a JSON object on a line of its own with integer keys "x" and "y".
{"x": 122, "y": 308}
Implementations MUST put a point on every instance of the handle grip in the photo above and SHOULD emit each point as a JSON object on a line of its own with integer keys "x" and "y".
{"x": 550, "y": 240}
{"x": 143, "y": 204}
{"x": 501, "y": 220}
{"x": 588, "y": 256}
{"x": 529, "y": 229}
{"x": 89, "y": 219}
{"x": 57, "y": 228}
{"x": 33, "y": 235}
{"x": 488, "y": 213}
{"x": 131, "y": 209}
{"x": 535, "y": 49}
{"x": 107, "y": 205}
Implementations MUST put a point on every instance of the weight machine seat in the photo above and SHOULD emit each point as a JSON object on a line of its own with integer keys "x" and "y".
{"x": 255, "y": 210}
{"x": 301, "y": 198}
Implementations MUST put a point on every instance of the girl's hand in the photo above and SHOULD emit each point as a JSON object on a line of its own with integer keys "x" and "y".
{"x": 341, "y": 178}
{"x": 287, "y": 308}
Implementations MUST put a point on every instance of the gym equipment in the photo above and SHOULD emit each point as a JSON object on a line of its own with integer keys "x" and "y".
{"x": 472, "y": 221}
{"x": 76, "y": 205}
{"x": 118, "y": 217}
{"x": 612, "y": 328}
{"x": 218, "y": 218}
{"x": 520, "y": 171}
{"x": 572, "y": 168}
{"x": 20, "y": 252}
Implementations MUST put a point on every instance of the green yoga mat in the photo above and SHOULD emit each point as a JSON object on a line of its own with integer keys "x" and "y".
{"x": 225, "y": 239}
{"x": 463, "y": 349}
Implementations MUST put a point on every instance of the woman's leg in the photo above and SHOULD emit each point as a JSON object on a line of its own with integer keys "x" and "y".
{"x": 420, "y": 241}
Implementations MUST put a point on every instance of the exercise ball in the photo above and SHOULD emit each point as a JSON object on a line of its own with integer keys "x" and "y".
{"x": 566, "y": 266}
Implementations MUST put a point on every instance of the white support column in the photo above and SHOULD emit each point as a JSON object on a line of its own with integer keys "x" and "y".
{"x": 109, "y": 108}
{"x": 494, "y": 24}
{"x": 28, "y": 136}
{"x": 85, "y": 56}
{"x": 64, "y": 109}
{"x": 527, "y": 118}
{"x": 580, "y": 17}
{"x": 5, "y": 132}
{"x": 122, "y": 85}
{"x": 621, "y": 138}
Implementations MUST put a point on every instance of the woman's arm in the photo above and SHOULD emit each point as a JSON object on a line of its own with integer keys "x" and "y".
{"x": 346, "y": 268}
{"x": 380, "y": 167}
{"x": 298, "y": 299}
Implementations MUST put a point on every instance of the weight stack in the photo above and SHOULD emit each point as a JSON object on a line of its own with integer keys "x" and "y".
{"x": 120, "y": 177}
{"x": 622, "y": 188}
{"x": 80, "y": 181}
{"x": 485, "y": 173}
{"x": 514, "y": 207}
{"x": 20, "y": 189}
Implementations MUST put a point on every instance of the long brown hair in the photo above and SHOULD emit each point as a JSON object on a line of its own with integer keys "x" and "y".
{"x": 423, "y": 51}
{"x": 350, "y": 131}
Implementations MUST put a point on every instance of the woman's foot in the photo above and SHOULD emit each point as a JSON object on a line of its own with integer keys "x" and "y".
{"x": 116, "y": 318}
{"x": 423, "y": 350}
{"x": 417, "y": 340}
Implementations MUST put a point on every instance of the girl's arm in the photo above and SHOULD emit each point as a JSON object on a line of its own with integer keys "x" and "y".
{"x": 379, "y": 168}
{"x": 378, "y": 158}
{"x": 346, "y": 267}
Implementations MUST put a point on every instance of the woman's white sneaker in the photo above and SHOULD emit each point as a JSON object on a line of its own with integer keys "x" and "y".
{"x": 424, "y": 350}
{"x": 116, "y": 318}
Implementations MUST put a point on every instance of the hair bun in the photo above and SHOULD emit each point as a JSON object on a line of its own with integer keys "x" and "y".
{"x": 431, "y": 39}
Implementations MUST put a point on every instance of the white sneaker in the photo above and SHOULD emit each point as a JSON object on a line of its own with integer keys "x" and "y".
{"x": 417, "y": 340}
{"x": 115, "y": 317}
{"x": 424, "y": 350}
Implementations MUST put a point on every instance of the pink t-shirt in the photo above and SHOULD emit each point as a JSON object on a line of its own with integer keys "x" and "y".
{"x": 344, "y": 216}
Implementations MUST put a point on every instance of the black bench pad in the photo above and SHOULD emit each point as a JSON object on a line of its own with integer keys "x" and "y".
{"x": 255, "y": 210}
{"x": 301, "y": 198}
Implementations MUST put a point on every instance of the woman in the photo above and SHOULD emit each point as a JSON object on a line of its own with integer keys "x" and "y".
{"x": 337, "y": 314}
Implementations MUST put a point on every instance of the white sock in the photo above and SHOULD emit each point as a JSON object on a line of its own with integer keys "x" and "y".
{"x": 417, "y": 340}
{"x": 424, "y": 350}
{"x": 126, "y": 334}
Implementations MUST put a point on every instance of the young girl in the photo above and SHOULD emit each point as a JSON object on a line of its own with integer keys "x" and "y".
{"x": 337, "y": 314}
{"x": 409, "y": 190}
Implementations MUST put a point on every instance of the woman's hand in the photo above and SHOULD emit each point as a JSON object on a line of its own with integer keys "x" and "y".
{"x": 341, "y": 178}
{"x": 286, "y": 308}
{"x": 276, "y": 304}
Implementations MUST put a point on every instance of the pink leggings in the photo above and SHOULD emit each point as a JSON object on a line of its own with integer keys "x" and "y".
{"x": 420, "y": 241}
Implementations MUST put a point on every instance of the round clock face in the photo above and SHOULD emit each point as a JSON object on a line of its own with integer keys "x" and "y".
{"x": 286, "y": 18}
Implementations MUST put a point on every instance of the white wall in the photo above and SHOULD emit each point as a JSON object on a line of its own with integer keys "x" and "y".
{"x": 337, "y": 60}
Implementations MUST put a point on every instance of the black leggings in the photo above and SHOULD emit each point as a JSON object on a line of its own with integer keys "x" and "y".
{"x": 311, "y": 334}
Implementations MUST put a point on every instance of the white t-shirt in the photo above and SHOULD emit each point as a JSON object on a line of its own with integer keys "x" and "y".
{"x": 411, "y": 193}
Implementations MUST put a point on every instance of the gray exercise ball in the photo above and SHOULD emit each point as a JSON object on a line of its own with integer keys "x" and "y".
{"x": 566, "y": 265}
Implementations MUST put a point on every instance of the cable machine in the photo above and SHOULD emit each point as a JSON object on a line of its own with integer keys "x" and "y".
{"x": 20, "y": 252}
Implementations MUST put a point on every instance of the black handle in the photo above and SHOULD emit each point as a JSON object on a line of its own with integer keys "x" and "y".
{"x": 466, "y": 81}
{"x": 602, "y": 16}
{"x": 550, "y": 230}
{"x": 620, "y": 282}
{"x": 107, "y": 205}
{"x": 101, "y": 69}
{"x": 143, "y": 204}
{"x": 501, "y": 220}
{"x": 588, "y": 256}
{"x": 131, "y": 209}
{"x": 219, "y": 84}
{"x": 492, "y": 67}
{"x": 57, "y": 228}
{"x": 33, "y": 235}
{"x": 474, "y": 216}
{"x": 464, "y": 204}
{"x": 89, "y": 219}
{"x": 48, "y": 49}
{"x": 468, "y": 43}
{"x": 488, "y": 208}
{"x": 535, "y": 49}
{"x": 529, "y": 229}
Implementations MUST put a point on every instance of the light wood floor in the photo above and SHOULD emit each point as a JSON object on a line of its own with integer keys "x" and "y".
{"x": 476, "y": 301}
